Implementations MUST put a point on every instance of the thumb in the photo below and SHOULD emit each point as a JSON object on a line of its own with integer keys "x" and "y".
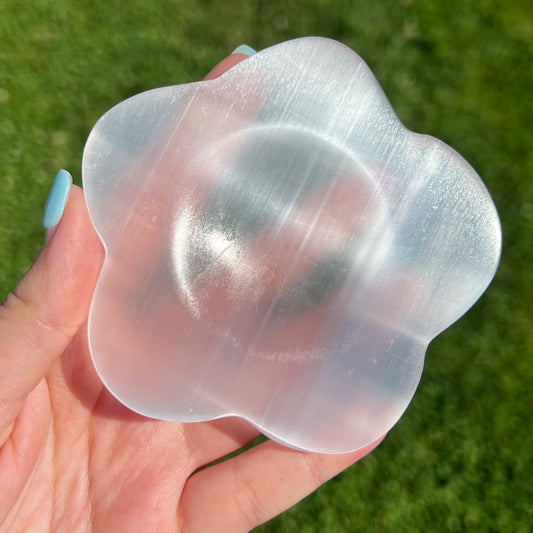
{"x": 40, "y": 317}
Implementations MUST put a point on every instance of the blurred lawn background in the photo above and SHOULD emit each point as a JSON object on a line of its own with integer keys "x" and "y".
{"x": 461, "y": 457}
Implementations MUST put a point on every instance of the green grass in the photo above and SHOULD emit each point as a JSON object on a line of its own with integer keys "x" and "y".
{"x": 461, "y": 457}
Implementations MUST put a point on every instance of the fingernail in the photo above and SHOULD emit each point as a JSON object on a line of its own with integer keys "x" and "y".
{"x": 57, "y": 199}
{"x": 244, "y": 49}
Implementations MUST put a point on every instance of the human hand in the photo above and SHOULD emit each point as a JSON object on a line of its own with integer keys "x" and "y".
{"x": 72, "y": 458}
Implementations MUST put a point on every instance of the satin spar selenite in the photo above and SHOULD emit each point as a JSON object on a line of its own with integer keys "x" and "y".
{"x": 279, "y": 247}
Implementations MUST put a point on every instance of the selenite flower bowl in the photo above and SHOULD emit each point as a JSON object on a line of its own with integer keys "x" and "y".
{"x": 279, "y": 247}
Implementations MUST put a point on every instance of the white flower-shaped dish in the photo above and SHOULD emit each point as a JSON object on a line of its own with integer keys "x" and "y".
{"x": 279, "y": 247}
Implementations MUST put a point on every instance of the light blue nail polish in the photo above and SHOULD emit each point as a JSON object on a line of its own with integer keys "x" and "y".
{"x": 244, "y": 49}
{"x": 57, "y": 199}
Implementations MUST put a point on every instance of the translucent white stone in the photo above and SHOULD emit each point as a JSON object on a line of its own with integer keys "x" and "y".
{"x": 279, "y": 247}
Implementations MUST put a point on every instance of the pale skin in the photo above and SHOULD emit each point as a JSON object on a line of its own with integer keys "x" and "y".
{"x": 73, "y": 459}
